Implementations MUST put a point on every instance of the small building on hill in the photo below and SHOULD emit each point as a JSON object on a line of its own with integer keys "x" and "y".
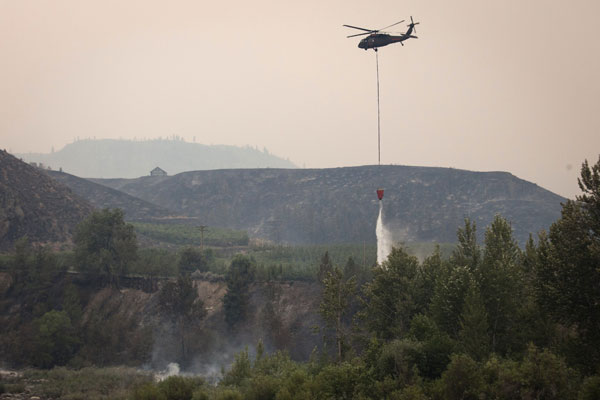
{"x": 158, "y": 172}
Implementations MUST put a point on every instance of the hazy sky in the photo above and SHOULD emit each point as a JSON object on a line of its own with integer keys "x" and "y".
{"x": 510, "y": 85}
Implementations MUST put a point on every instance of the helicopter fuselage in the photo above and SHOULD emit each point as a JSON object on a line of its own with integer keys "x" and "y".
{"x": 380, "y": 39}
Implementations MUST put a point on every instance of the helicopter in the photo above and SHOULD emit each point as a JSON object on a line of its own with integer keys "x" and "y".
{"x": 378, "y": 39}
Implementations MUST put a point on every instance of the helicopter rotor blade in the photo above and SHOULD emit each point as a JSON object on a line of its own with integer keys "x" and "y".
{"x": 361, "y": 34}
{"x": 362, "y": 29}
{"x": 389, "y": 26}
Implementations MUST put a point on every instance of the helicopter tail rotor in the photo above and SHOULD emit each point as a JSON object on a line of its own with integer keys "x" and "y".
{"x": 412, "y": 24}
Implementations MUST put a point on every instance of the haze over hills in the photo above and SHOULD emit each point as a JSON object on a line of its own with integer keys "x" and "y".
{"x": 340, "y": 205}
{"x": 33, "y": 204}
{"x": 109, "y": 158}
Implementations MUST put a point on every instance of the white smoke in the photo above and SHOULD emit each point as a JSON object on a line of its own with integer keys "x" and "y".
{"x": 172, "y": 369}
{"x": 384, "y": 238}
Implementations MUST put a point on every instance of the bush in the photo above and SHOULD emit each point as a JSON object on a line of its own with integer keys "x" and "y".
{"x": 263, "y": 387}
{"x": 399, "y": 359}
{"x": 462, "y": 380}
{"x": 229, "y": 394}
{"x": 55, "y": 340}
{"x": 14, "y": 388}
{"x": 341, "y": 381}
{"x": 546, "y": 376}
{"x": 413, "y": 392}
{"x": 177, "y": 388}
{"x": 172, "y": 388}
{"x": 200, "y": 394}
{"x": 240, "y": 371}
{"x": 148, "y": 391}
{"x": 590, "y": 390}
{"x": 87, "y": 383}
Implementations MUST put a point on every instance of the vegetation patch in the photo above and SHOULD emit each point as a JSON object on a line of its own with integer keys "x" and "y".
{"x": 179, "y": 234}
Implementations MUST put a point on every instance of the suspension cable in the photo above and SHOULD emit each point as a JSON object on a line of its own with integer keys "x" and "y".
{"x": 378, "y": 115}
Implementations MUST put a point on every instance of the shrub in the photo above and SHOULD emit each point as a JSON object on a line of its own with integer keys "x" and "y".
{"x": 263, "y": 387}
{"x": 177, "y": 388}
{"x": 229, "y": 394}
{"x": 590, "y": 389}
{"x": 462, "y": 380}
{"x": 149, "y": 391}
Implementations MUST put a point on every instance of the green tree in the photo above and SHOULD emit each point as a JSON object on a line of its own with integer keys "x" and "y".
{"x": 20, "y": 265}
{"x": 590, "y": 389}
{"x": 55, "y": 341}
{"x": 105, "y": 244}
{"x": 452, "y": 279}
{"x": 72, "y": 303}
{"x": 190, "y": 260}
{"x": 427, "y": 275}
{"x": 179, "y": 300}
{"x": 467, "y": 252}
{"x": 351, "y": 269}
{"x": 463, "y": 380}
{"x": 388, "y": 299}
{"x": 436, "y": 346}
{"x": 543, "y": 375}
{"x": 568, "y": 270}
{"x": 337, "y": 295}
{"x": 239, "y": 276}
{"x": 448, "y": 297}
{"x": 325, "y": 267}
{"x": 340, "y": 381}
{"x": 177, "y": 388}
{"x": 500, "y": 282}
{"x": 241, "y": 370}
{"x": 473, "y": 335}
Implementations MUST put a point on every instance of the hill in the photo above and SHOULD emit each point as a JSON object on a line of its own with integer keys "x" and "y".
{"x": 33, "y": 204}
{"x": 109, "y": 158}
{"x": 339, "y": 205}
{"x": 104, "y": 197}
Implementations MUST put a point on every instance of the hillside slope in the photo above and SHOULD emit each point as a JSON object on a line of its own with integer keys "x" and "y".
{"x": 340, "y": 205}
{"x": 33, "y": 204}
{"x": 109, "y": 158}
{"x": 104, "y": 197}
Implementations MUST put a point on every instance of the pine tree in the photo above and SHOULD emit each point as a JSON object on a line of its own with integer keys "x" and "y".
{"x": 105, "y": 244}
{"x": 389, "y": 298}
{"x": 500, "y": 281}
{"x": 473, "y": 334}
{"x": 336, "y": 298}
{"x": 325, "y": 267}
{"x": 467, "y": 252}
{"x": 568, "y": 271}
{"x": 179, "y": 300}
{"x": 239, "y": 276}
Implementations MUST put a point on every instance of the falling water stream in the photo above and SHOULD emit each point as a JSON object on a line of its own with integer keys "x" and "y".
{"x": 384, "y": 241}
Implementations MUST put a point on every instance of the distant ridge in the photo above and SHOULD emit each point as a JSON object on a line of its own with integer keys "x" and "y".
{"x": 421, "y": 204}
{"x": 33, "y": 204}
{"x": 110, "y": 158}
